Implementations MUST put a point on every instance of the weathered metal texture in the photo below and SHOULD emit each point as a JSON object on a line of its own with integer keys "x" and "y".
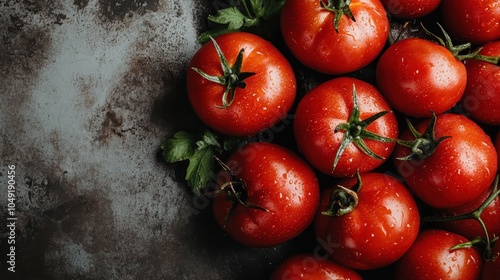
{"x": 89, "y": 90}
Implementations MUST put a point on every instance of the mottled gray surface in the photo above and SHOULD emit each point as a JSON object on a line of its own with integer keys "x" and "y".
{"x": 89, "y": 89}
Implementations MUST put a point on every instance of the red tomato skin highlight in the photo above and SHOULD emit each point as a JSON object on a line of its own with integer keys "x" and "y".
{"x": 310, "y": 35}
{"x": 410, "y": 9}
{"x": 481, "y": 100}
{"x": 430, "y": 258}
{"x": 378, "y": 231}
{"x": 472, "y": 21}
{"x": 419, "y": 77}
{"x": 330, "y": 104}
{"x": 279, "y": 181}
{"x": 460, "y": 170}
{"x": 267, "y": 97}
{"x": 310, "y": 266}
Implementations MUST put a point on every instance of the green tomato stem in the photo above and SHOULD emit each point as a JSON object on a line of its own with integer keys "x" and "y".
{"x": 476, "y": 215}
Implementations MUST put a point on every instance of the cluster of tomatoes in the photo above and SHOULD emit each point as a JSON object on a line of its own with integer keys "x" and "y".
{"x": 399, "y": 170}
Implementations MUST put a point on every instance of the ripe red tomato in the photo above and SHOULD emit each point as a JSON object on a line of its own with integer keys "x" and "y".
{"x": 309, "y": 266}
{"x": 430, "y": 258}
{"x": 324, "y": 108}
{"x": 472, "y": 21}
{"x": 308, "y": 29}
{"x": 279, "y": 192}
{"x": 410, "y": 9}
{"x": 470, "y": 228}
{"x": 460, "y": 168}
{"x": 497, "y": 145}
{"x": 259, "y": 103}
{"x": 491, "y": 269}
{"x": 481, "y": 99}
{"x": 418, "y": 76}
{"x": 380, "y": 228}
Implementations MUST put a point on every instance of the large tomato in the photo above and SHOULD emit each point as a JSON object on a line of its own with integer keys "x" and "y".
{"x": 310, "y": 266}
{"x": 371, "y": 230}
{"x": 245, "y": 96}
{"x": 410, "y": 9}
{"x": 430, "y": 257}
{"x": 308, "y": 29}
{"x": 472, "y": 21}
{"x": 481, "y": 99}
{"x": 451, "y": 163}
{"x": 268, "y": 195}
{"x": 336, "y": 131}
{"x": 418, "y": 76}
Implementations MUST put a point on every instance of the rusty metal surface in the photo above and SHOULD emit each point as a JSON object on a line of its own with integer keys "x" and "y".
{"x": 89, "y": 89}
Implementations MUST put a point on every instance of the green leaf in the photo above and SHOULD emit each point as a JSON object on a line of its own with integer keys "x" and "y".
{"x": 230, "y": 16}
{"x": 239, "y": 16}
{"x": 210, "y": 138}
{"x": 258, "y": 7}
{"x": 178, "y": 148}
{"x": 200, "y": 169}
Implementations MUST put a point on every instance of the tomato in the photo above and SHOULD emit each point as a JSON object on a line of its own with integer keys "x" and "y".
{"x": 472, "y": 21}
{"x": 481, "y": 100}
{"x": 470, "y": 228}
{"x": 308, "y": 29}
{"x": 410, "y": 9}
{"x": 491, "y": 269}
{"x": 319, "y": 120}
{"x": 448, "y": 172}
{"x": 497, "y": 145}
{"x": 418, "y": 76}
{"x": 260, "y": 100}
{"x": 310, "y": 266}
{"x": 278, "y": 190}
{"x": 430, "y": 257}
{"x": 378, "y": 230}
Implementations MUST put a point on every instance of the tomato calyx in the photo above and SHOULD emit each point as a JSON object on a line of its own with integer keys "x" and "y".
{"x": 456, "y": 50}
{"x": 343, "y": 200}
{"x": 355, "y": 132}
{"x": 236, "y": 192}
{"x": 339, "y": 8}
{"x": 476, "y": 215}
{"x": 232, "y": 77}
{"x": 424, "y": 144}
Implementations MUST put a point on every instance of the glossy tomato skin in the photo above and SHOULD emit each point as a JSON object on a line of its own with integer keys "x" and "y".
{"x": 461, "y": 168}
{"x": 430, "y": 258}
{"x": 491, "y": 269}
{"x": 472, "y": 21}
{"x": 267, "y": 97}
{"x": 277, "y": 180}
{"x": 378, "y": 231}
{"x": 470, "y": 228}
{"x": 497, "y": 145}
{"x": 481, "y": 100}
{"x": 418, "y": 76}
{"x": 309, "y": 33}
{"x": 410, "y": 9}
{"x": 330, "y": 104}
{"x": 309, "y": 266}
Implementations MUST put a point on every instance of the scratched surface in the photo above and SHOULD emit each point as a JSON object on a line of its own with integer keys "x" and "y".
{"x": 89, "y": 89}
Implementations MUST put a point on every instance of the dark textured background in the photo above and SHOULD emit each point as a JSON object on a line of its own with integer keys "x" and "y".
{"x": 89, "y": 90}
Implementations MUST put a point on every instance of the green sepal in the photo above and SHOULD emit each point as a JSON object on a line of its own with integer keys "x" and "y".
{"x": 355, "y": 132}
